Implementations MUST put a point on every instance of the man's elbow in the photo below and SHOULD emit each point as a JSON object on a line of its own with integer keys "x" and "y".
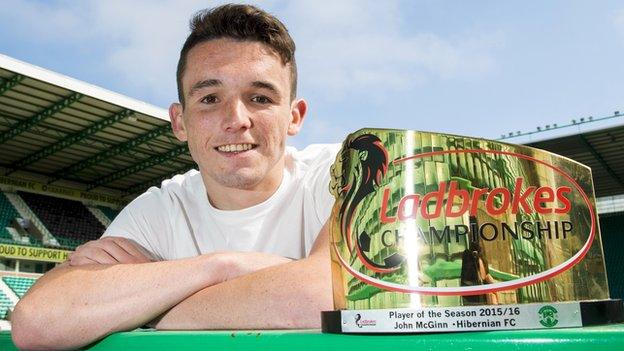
{"x": 24, "y": 330}
{"x": 304, "y": 311}
{"x": 303, "y": 315}
{"x": 29, "y": 331}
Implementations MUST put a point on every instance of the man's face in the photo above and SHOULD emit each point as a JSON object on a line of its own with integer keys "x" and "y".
{"x": 237, "y": 113}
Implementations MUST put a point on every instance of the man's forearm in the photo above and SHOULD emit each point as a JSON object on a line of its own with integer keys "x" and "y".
{"x": 72, "y": 306}
{"x": 284, "y": 296}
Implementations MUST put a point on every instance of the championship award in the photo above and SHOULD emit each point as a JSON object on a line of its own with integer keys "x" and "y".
{"x": 435, "y": 233}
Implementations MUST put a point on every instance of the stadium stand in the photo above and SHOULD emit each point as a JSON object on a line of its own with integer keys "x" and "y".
{"x": 100, "y": 146}
{"x": 109, "y": 212}
{"x": 19, "y": 285}
{"x": 69, "y": 221}
{"x": 27, "y": 229}
{"x": 612, "y": 243}
{"x": 59, "y": 135}
{"x": 601, "y": 150}
{"x": 5, "y": 305}
{"x": 7, "y": 214}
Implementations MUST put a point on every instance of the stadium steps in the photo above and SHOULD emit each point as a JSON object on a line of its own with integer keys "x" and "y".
{"x": 7, "y": 214}
{"x": 99, "y": 214}
{"x": 19, "y": 285}
{"x": 8, "y": 300}
{"x": 5, "y": 305}
{"x": 109, "y": 212}
{"x": 10, "y": 294}
{"x": 25, "y": 212}
{"x": 69, "y": 221}
{"x": 17, "y": 238}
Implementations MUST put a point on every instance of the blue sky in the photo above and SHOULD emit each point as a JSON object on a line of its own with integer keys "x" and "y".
{"x": 478, "y": 68}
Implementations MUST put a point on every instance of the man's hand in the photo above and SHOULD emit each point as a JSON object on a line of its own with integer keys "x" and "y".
{"x": 109, "y": 250}
{"x": 284, "y": 296}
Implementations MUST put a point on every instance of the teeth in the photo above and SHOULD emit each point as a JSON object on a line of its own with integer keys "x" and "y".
{"x": 235, "y": 147}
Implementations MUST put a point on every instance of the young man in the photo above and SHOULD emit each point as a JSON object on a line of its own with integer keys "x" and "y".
{"x": 240, "y": 244}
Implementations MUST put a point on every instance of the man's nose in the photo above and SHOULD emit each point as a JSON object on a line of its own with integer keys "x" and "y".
{"x": 236, "y": 116}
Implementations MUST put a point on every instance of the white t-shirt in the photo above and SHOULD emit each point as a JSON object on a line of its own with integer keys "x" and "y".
{"x": 177, "y": 220}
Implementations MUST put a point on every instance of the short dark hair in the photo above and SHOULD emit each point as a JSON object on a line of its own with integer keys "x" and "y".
{"x": 239, "y": 22}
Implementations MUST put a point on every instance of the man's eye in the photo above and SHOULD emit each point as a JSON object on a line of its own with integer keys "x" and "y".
{"x": 261, "y": 99}
{"x": 210, "y": 99}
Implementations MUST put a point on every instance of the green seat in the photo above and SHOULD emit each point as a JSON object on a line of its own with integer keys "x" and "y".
{"x": 5, "y": 305}
{"x": 19, "y": 285}
{"x": 109, "y": 212}
{"x": 7, "y": 214}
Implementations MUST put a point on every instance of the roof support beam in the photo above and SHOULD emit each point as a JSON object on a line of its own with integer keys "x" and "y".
{"x": 150, "y": 162}
{"x": 98, "y": 158}
{"x": 8, "y": 84}
{"x": 24, "y": 125}
{"x": 601, "y": 160}
{"x": 70, "y": 139}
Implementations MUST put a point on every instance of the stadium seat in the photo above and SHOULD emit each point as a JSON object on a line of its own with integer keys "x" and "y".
{"x": 19, "y": 285}
{"x": 69, "y": 221}
{"x": 109, "y": 212}
{"x": 5, "y": 305}
{"x": 7, "y": 214}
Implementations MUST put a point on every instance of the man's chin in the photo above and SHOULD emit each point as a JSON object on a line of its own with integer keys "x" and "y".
{"x": 239, "y": 181}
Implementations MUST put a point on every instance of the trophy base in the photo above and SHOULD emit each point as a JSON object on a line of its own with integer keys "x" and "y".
{"x": 474, "y": 318}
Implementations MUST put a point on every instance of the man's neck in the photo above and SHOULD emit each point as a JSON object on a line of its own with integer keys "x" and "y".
{"x": 230, "y": 199}
{"x": 238, "y": 199}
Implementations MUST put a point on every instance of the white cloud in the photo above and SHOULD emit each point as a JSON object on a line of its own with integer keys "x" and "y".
{"x": 368, "y": 46}
{"x": 41, "y": 22}
{"x": 344, "y": 47}
{"x": 141, "y": 39}
{"x": 150, "y": 36}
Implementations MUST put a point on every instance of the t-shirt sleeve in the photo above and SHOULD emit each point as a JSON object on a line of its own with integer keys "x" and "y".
{"x": 144, "y": 221}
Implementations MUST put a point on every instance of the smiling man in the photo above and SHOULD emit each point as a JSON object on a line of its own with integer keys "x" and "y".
{"x": 239, "y": 244}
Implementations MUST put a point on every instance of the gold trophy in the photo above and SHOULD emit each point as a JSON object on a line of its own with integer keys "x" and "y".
{"x": 433, "y": 232}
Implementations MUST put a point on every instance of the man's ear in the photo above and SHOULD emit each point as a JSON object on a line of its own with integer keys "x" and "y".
{"x": 298, "y": 111}
{"x": 177, "y": 121}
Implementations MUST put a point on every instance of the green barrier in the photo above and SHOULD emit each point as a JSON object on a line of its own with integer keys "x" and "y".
{"x": 609, "y": 337}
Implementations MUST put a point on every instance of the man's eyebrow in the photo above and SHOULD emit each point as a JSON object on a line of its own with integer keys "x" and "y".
{"x": 204, "y": 84}
{"x": 265, "y": 85}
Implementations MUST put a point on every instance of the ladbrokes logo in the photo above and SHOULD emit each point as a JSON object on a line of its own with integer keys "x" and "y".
{"x": 521, "y": 211}
{"x": 497, "y": 201}
{"x": 364, "y": 322}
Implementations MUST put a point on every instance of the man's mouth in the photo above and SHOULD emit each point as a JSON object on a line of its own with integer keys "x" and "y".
{"x": 235, "y": 148}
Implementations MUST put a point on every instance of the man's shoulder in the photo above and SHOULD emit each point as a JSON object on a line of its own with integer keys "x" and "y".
{"x": 312, "y": 164}
{"x": 314, "y": 153}
{"x": 177, "y": 186}
{"x": 181, "y": 181}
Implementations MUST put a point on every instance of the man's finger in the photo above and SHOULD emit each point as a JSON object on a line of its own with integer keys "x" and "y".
{"x": 78, "y": 260}
{"x": 115, "y": 250}
{"x": 109, "y": 250}
{"x": 133, "y": 249}
{"x": 98, "y": 255}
